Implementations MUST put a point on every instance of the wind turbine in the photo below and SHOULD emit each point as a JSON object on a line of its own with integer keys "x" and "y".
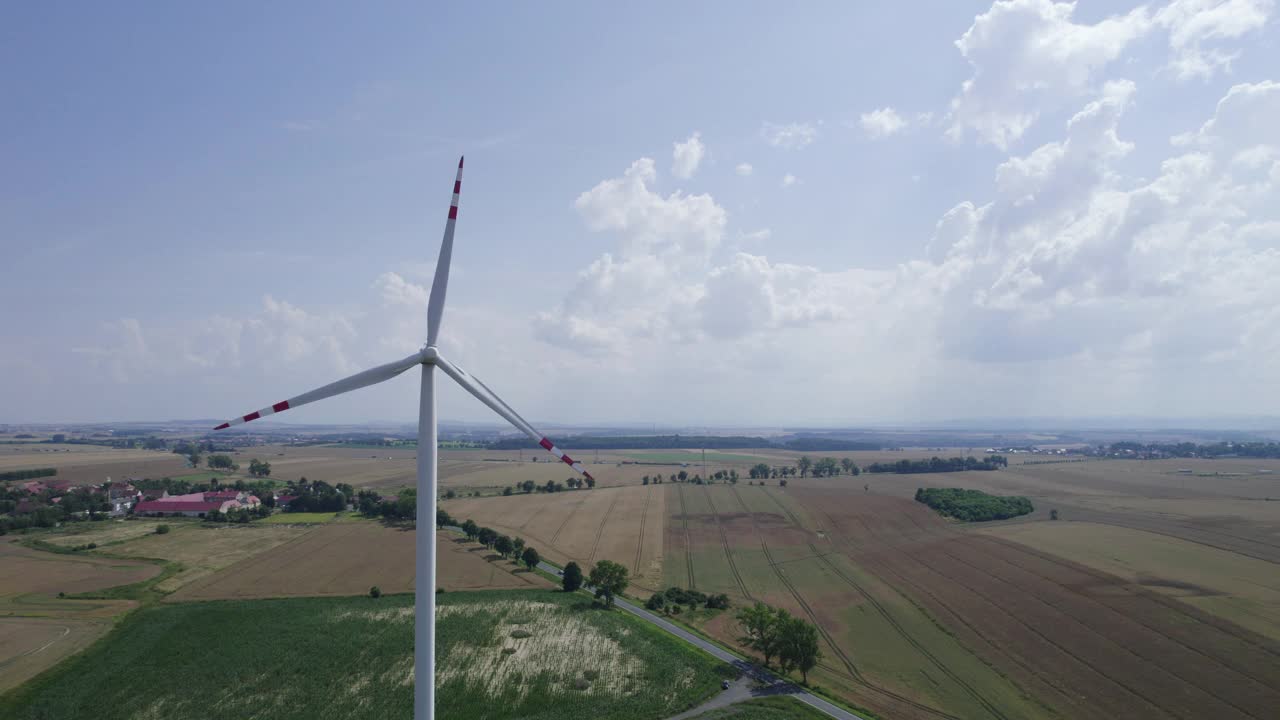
{"x": 429, "y": 358}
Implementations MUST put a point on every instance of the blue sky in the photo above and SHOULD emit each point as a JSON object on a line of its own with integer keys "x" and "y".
{"x": 723, "y": 214}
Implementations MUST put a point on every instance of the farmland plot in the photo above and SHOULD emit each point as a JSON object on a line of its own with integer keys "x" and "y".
{"x": 348, "y": 559}
{"x": 624, "y": 524}
{"x": 1085, "y": 643}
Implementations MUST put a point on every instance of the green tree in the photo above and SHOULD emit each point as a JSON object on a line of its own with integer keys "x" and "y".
{"x": 530, "y": 557}
{"x": 804, "y": 463}
{"x": 572, "y": 577}
{"x": 470, "y": 529}
{"x": 221, "y": 462}
{"x": 517, "y": 544}
{"x": 507, "y": 492}
{"x": 759, "y": 471}
{"x": 797, "y": 646}
{"x": 487, "y": 536}
{"x": 609, "y": 579}
{"x": 760, "y": 627}
{"x": 375, "y": 592}
{"x": 503, "y": 545}
{"x": 259, "y": 469}
{"x": 1053, "y": 514}
{"x": 442, "y": 516}
{"x": 591, "y": 483}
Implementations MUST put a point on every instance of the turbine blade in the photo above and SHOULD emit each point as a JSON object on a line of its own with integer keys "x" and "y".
{"x": 440, "y": 285}
{"x": 473, "y": 385}
{"x": 372, "y": 376}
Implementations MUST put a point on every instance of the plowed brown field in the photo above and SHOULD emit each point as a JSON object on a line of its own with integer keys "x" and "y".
{"x": 349, "y": 558}
{"x": 1087, "y": 643}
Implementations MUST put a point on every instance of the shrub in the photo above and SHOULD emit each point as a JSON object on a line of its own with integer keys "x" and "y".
{"x": 92, "y": 546}
{"x": 375, "y": 592}
{"x": 162, "y": 529}
{"x": 1053, "y": 514}
{"x": 521, "y": 633}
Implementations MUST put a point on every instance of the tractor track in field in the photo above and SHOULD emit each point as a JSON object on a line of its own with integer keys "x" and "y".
{"x": 564, "y": 522}
{"x": 1086, "y": 626}
{"x": 1185, "y": 610}
{"x": 1084, "y": 623}
{"x": 724, "y": 542}
{"x": 688, "y": 548}
{"x": 1027, "y": 627}
{"x": 851, "y": 668}
{"x": 902, "y": 632}
{"x": 644, "y": 515}
{"x": 604, "y": 521}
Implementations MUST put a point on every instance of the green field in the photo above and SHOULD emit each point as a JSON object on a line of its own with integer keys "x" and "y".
{"x": 526, "y": 653}
{"x": 764, "y": 708}
{"x": 298, "y": 518}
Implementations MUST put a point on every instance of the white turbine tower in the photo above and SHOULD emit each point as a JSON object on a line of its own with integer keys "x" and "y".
{"x": 429, "y": 358}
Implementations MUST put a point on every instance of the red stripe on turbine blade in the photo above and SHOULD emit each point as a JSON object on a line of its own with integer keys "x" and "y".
{"x": 587, "y": 475}
{"x": 252, "y": 416}
{"x": 223, "y": 426}
{"x": 546, "y": 444}
{"x": 453, "y": 212}
{"x": 460, "y": 159}
{"x": 566, "y": 459}
{"x": 280, "y": 406}
{"x": 457, "y": 186}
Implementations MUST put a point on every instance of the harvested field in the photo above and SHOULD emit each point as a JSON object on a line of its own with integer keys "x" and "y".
{"x": 30, "y": 645}
{"x": 348, "y": 559}
{"x": 624, "y": 524}
{"x": 37, "y": 629}
{"x": 87, "y": 464}
{"x": 1086, "y": 643}
{"x": 204, "y": 548}
{"x": 25, "y": 571}
{"x": 1234, "y": 587}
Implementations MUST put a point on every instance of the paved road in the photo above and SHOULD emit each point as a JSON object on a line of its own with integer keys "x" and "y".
{"x": 771, "y": 684}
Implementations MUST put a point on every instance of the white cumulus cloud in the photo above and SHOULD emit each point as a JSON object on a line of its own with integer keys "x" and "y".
{"x": 686, "y": 156}
{"x": 882, "y": 122}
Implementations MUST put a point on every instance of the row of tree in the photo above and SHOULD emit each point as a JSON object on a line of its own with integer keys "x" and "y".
{"x": 551, "y": 486}
{"x": 940, "y": 465}
{"x": 505, "y": 546}
{"x": 774, "y": 632}
{"x": 973, "y": 505}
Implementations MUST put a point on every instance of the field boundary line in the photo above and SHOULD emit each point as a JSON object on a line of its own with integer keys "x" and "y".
{"x": 595, "y": 547}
